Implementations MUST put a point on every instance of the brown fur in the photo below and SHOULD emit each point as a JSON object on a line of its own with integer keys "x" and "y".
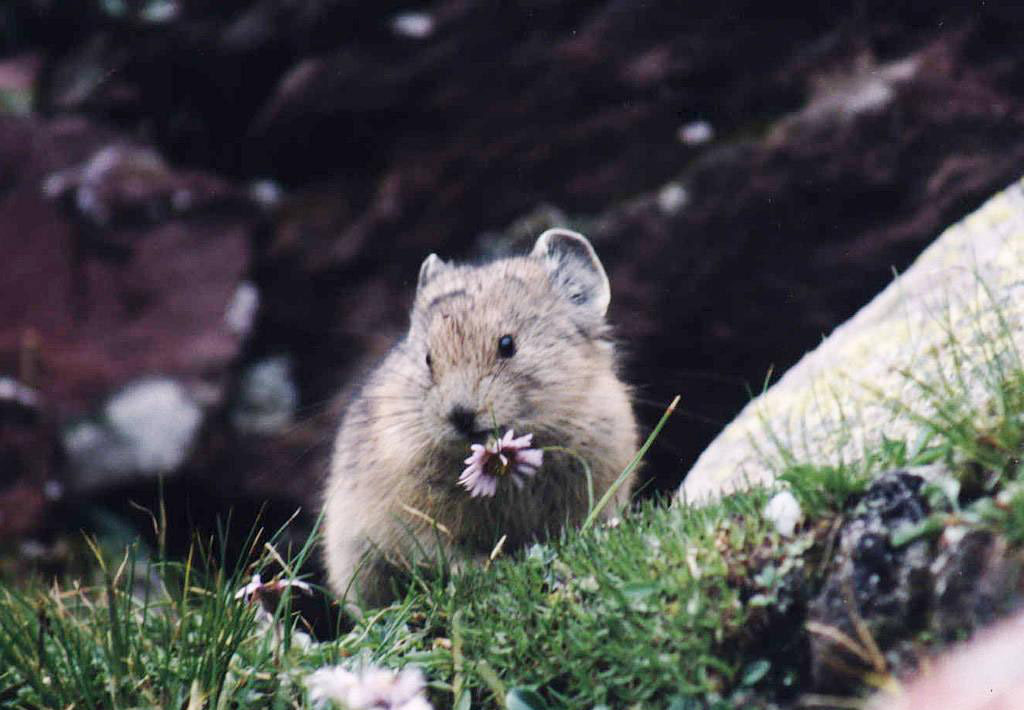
{"x": 397, "y": 456}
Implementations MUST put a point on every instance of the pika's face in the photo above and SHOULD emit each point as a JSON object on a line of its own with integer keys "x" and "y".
{"x": 514, "y": 344}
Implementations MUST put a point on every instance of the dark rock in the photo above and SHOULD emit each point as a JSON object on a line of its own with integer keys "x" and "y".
{"x": 130, "y": 276}
{"x": 844, "y": 139}
{"x": 976, "y": 582}
{"x": 872, "y": 584}
{"x": 30, "y": 477}
{"x": 122, "y": 301}
{"x": 125, "y": 185}
{"x": 17, "y": 82}
{"x": 946, "y": 590}
{"x": 790, "y": 229}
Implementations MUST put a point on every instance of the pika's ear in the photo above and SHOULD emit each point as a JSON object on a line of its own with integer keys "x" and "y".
{"x": 574, "y": 268}
{"x": 431, "y": 267}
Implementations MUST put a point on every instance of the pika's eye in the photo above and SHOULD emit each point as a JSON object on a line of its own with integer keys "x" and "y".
{"x": 430, "y": 362}
{"x": 506, "y": 346}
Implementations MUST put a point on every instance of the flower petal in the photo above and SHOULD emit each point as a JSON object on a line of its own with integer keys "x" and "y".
{"x": 522, "y": 442}
{"x": 530, "y": 457}
{"x": 470, "y": 474}
{"x": 490, "y": 485}
{"x": 475, "y": 480}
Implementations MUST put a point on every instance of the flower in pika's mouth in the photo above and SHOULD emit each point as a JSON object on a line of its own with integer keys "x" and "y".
{"x": 507, "y": 456}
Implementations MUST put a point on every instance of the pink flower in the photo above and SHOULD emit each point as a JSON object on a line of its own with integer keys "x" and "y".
{"x": 497, "y": 458}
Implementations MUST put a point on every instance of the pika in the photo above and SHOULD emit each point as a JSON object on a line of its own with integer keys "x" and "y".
{"x": 518, "y": 344}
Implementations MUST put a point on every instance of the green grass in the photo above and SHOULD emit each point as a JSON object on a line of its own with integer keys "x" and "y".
{"x": 616, "y": 616}
{"x": 646, "y": 610}
{"x": 157, "y": 634}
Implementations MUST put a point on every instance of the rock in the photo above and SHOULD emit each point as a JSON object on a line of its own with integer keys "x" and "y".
{"x": 415, "y": 25}
{"x": 885, "y": 363}
{"x": 17, "y": 82}
{"x": 241, "y": 311}
{"x": 267, "y": 397}
{"x": 149, "y": 429}
{"x": 839, "y": 98}
{"x": 129, "y": 292}
{"x": 672, "y": 198}
{"x": 144, "y": 308}
{"x": 872, "y": 584}
{"x": 30, "y": 476}
{"x": 890, "y": 597}
{"x": 975, "y": 582}
{"x": 696, "y": 133}
{"x": 125, "y": 185}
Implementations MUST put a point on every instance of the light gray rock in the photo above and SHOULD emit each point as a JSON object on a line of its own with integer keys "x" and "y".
{"x": 145, "y": 430}
{"x": 267, "y": 397}
{"x": 946, "y": 324}
{"x": 241, "y": 311}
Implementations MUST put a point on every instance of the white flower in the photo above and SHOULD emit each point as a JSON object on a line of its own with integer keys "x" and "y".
{"x": 268, "y": 596}
{"x": 258, "y": 590}
{"x": 371, "y": 688}
{"x": 498, "y": 457}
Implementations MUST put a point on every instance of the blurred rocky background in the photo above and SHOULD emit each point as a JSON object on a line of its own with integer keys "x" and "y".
{"x": 212, "y": 214}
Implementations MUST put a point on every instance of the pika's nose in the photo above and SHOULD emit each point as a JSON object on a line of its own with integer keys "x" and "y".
{"x": 463, "y": 419}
